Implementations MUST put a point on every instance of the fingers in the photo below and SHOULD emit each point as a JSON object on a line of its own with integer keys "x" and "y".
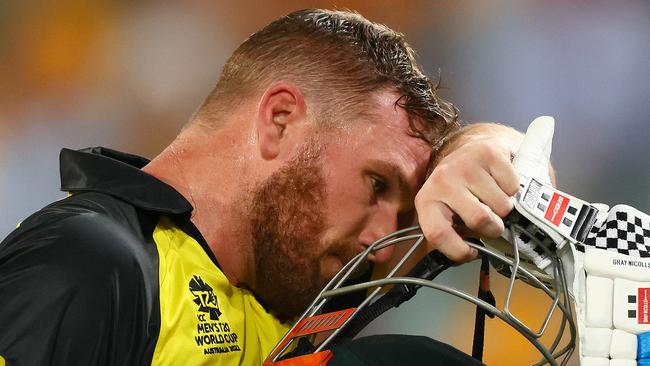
{"x": 495, "y": 197}
{"x": 503, "y": 172}
{"x": 443, "y": 236}
{"x": 476, "y": 215}
{"x": 473, "y": 183}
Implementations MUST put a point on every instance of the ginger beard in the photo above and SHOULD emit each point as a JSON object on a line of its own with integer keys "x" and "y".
{"x": 288, "y": 212}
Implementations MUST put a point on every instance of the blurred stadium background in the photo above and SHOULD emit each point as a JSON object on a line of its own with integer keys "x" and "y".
{"x": 129, "y": 74}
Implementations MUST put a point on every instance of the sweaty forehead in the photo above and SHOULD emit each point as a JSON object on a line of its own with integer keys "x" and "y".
{"x": 391, "y": 137}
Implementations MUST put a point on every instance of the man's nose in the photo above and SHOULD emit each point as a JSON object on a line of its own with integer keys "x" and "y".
{"x": 382, "y": 223}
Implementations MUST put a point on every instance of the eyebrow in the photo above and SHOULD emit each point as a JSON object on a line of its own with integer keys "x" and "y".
{"x": 396, "y": 173}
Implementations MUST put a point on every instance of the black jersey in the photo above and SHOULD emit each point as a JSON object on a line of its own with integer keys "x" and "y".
{"x": 116, "y": 274}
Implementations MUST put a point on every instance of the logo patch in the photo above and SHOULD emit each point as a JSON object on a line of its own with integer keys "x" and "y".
{"x": 212, "y": 336}
{"x": 644, "y": 316}
{"x": 556, "y": 209}
{"x": 204, "y": 297}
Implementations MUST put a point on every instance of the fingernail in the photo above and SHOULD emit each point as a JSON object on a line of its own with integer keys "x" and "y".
{"x": 474, "y": 253}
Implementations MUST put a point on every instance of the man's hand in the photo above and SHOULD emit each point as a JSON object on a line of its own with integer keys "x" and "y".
{"x": 469, "y": 189}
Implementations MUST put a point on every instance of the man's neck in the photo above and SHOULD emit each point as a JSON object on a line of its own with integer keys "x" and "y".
{"x": 212, "y": 184}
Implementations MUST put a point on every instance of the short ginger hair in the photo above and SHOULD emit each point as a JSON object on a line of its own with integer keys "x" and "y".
{"x": 337, "y": 59}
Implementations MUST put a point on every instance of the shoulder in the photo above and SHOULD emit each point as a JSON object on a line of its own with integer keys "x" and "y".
{"x": 69, "y": 240}
{"x": 77, "y": 276}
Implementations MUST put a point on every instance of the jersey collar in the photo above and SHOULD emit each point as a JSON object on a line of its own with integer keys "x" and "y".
{"x": 118, "y": 174}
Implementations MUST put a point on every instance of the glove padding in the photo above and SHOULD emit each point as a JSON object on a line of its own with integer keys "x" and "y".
{"x": 532, "y": 158}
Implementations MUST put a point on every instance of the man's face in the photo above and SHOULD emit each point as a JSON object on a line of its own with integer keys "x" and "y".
{"x": 342, "y": 191}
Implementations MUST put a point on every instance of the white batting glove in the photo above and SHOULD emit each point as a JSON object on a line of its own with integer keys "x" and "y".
{"x": 532, "y": 158}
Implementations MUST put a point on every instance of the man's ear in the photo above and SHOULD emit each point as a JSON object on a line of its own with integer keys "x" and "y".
{"x": 281, "y": 106}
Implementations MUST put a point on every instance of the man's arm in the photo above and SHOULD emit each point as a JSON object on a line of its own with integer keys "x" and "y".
{"x": 74, "y": 294}
{"x": 469, "y": 188}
